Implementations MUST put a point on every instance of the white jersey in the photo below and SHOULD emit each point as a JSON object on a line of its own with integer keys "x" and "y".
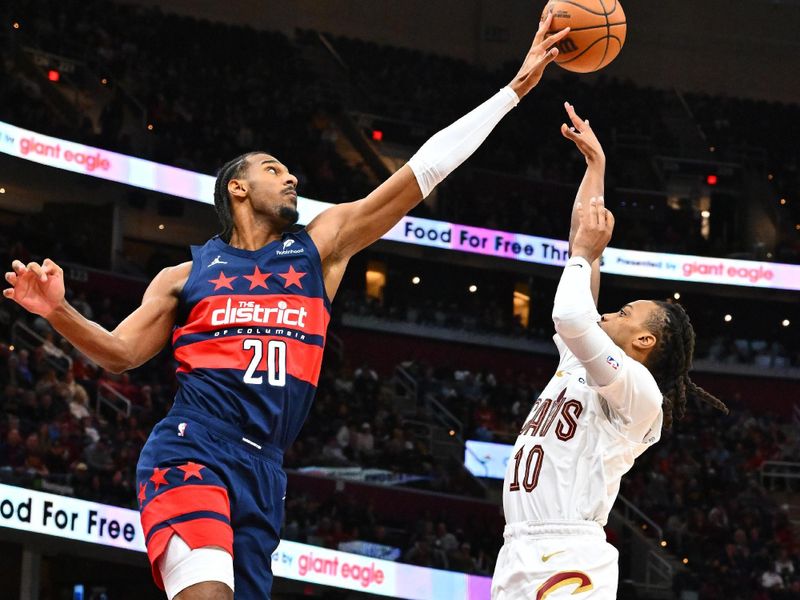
{"x": 574, "y": 448}
{"x": 599, "y": 412}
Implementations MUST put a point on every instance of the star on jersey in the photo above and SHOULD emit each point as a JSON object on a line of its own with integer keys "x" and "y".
{"x": 142, "y": 494}
{"x": 258, "y": 279}
{"x": 158, "y": 478}
{"x": 222, "y": 281}
{"x": 191, "y": 469}
{"x": 293, "y": 277}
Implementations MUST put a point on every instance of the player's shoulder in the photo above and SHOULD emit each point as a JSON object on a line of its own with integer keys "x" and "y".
{"x": 172, "y": 279}
{"x": 644, "y": 382}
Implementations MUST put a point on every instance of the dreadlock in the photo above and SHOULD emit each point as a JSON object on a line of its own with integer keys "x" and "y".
{"x": 222, "y": 201}
{"x": 671, "y": 359}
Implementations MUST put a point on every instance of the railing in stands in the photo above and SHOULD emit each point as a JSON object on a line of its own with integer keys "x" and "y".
{"x": 658, "y": 572}
{"x": 405, "y": 382}
{"x": 408, "y": 388}
{"x": 651, "y": 567}
{"x": 116, "y": 401}
{"x": 446, "y": 435}
{"x": 25, "y": 337}
{"x": 446, "y": 419}
{"x": 774, "y": 471}
{"x": 632, "y": 513}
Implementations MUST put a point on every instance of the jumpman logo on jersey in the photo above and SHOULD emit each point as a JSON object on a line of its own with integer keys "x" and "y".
{"x": 217, "y": 261}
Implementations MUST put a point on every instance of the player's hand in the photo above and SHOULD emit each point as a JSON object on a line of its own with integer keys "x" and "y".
{"x": 543, "y": 51}
{"x": 36, "y": 288}
{"x": 580, "y": 132}
{"x": 594, "y": 231}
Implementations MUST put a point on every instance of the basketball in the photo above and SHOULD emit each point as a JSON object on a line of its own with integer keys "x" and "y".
{"x": 597, "y": 32}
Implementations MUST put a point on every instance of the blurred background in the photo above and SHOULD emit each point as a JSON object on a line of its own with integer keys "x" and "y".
{"x": 430, "y": 351}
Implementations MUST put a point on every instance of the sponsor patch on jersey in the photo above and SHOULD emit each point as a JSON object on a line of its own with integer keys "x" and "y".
{"x": 287, "y": 250}
{"x": 612, "y": 362}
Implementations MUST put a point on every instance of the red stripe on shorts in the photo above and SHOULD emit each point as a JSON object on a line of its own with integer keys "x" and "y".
{"x": 183, "y": 500}
{"x": 197, "y": 533}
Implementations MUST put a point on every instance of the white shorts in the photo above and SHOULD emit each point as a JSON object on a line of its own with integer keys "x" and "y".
{"x": 180, "y": 566}
{"x": 556, "y": 560}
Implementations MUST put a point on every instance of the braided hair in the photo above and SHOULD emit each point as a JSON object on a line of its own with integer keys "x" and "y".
{"x": 670, "y": 361}
{"x": 222, "y": 201}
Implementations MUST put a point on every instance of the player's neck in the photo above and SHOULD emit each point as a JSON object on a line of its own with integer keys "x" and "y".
{"x": 253, "y": 238}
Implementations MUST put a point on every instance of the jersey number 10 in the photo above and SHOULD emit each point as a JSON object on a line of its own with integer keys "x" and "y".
{"x": 533, "y": 465}
{"x": 276, "y": 362}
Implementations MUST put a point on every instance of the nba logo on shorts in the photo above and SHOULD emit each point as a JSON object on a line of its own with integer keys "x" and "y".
{"x": 612, "y": 362}
{"x": 181, "y": 429}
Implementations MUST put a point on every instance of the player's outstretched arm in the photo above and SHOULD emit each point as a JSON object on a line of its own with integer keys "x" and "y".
{"x": 345, "y": 229}
{"x": 40, "y": 290}
{"x": 593, "y": 184}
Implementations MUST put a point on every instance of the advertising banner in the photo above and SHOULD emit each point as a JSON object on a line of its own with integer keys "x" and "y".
{"x": 148, "y": 175}
{"x": 80, "y": 520}
{"x": 70, "y": 518}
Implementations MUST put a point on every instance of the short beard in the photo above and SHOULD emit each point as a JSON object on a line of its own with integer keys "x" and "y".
{"x": 288, "y": 215}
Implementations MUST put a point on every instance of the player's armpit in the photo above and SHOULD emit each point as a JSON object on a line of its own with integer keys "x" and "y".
{"x": 139, "y": 337}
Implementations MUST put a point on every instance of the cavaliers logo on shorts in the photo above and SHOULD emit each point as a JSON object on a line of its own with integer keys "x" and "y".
{"x": 563, "y": 579}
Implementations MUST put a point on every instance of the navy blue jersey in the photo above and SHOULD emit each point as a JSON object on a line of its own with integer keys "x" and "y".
{"x": 250, "y": 334}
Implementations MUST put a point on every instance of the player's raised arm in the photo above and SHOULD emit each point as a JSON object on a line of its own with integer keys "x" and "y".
{"x": 40, "y": 290}
{"x": 345, "y": 229}
{"x": 593, "y": 184}
{"x": 625, "y": 383}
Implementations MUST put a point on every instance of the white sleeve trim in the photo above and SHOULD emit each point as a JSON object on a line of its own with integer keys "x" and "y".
{"x": 447, "y": 149}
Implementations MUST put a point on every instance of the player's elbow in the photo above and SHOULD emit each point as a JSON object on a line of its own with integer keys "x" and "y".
{"x": 570, "y": 323}
{"x": 120, "y": 355}
{"x": 116, "y": 366}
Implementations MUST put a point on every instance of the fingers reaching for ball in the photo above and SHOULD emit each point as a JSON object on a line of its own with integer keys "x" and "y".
{"x": 544, "y": 27}
{"x": 578, "y": 123}
{"x": 580, "y": 132}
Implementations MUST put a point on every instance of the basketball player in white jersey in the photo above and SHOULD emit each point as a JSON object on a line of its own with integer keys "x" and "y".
{"x": 621, "y": 377}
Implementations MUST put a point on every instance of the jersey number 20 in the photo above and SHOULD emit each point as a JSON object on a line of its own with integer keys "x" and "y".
{"x": 276, "y": 362}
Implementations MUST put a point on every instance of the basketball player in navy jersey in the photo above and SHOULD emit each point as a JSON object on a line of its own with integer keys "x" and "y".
{"x": 247, "y": 319}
